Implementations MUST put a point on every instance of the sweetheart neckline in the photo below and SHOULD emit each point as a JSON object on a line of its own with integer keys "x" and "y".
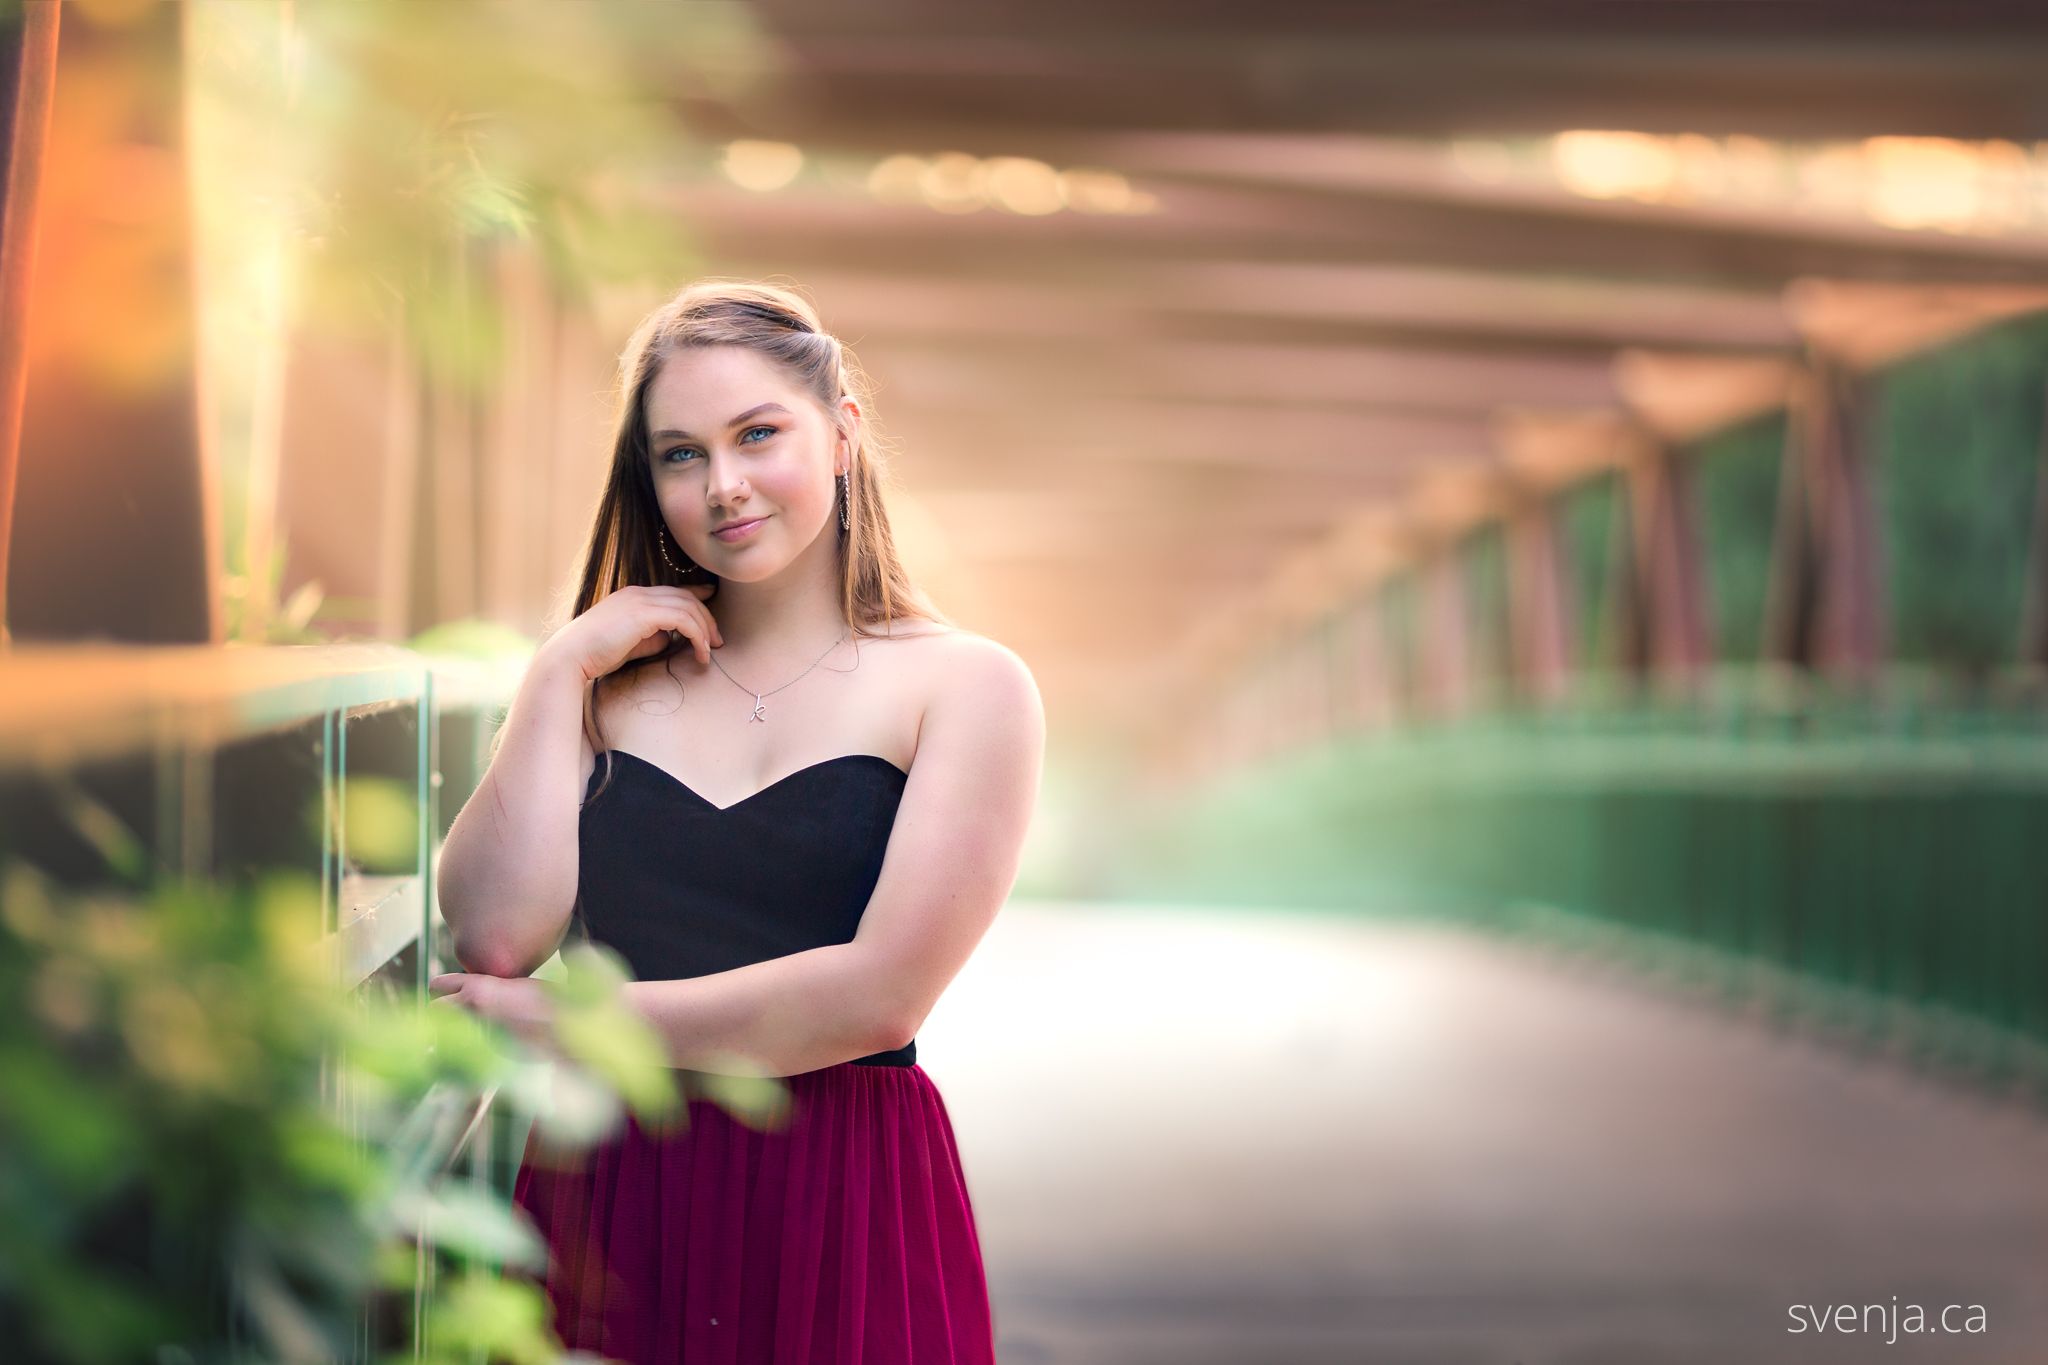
{"x": 691, "y": 791}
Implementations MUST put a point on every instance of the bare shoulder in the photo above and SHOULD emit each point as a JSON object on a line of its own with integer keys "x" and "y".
{"x": 977, "y": 661}
{"x": 956, "y": 660}
{"x": 979, "y": 684}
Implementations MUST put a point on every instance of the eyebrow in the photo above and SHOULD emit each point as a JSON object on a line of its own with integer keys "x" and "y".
{"x": 750, "y": 412}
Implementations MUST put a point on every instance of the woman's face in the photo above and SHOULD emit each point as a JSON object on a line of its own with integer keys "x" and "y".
{"x": 731, "y": 439}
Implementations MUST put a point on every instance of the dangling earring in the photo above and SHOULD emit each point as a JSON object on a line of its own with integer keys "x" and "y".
{"x": 845, "y": 501}
{"x": 663, "y": 542}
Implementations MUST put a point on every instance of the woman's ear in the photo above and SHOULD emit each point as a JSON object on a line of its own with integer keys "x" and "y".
{"x": 849, "y": 430}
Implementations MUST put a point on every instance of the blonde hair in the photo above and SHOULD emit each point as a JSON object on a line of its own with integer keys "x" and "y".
{"x": 624, "y": 550}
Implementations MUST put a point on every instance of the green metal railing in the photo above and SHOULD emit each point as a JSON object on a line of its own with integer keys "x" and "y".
{"x": 1875, "y": 862}
{"x": 217, "y": 760}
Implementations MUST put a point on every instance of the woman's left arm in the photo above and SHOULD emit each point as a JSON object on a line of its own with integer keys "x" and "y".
{"x": 953, "y": 855}
{"x": 959, "y": 835}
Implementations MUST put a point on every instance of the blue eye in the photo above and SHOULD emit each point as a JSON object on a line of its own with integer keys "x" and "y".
{"x": 692, "y": 450}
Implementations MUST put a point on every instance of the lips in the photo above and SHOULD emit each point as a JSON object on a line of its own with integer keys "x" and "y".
{"x": 739, "y": 530}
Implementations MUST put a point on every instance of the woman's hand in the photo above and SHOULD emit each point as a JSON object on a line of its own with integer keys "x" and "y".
{"x": 633, "y": 623}
{"x": 519, "y": 1004}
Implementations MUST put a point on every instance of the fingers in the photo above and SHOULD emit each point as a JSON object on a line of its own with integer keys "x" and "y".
{"x": 693, "y": 620}
{"x": 696, "y": 645}
{"x": 689, "y": 599}
{"x": 694, "y": 633}
{"x": 446, "y": 983}
{"x": 666, "y": 613}
{"x": 700, "y": 616}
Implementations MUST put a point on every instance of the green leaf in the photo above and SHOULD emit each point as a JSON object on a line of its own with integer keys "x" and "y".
{"x": 87, "y": 1316}
{"x": 469, "y": 1221}
{"x": 761, "y": 1102}
{"x": 381, "y": 822}
{"x": 502, "y": 1318}
{"x": 571, "y": 1107}
{"x": 82, "y": 1137}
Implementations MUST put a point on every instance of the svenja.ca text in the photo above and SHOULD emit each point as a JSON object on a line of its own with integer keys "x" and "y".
{"x": 1890, "y": 1319}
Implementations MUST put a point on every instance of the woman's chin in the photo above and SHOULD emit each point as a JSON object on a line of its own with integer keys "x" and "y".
{"x": 755, "y": 569}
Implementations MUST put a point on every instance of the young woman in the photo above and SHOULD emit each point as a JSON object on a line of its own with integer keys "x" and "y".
{"x": 803, "y": 796}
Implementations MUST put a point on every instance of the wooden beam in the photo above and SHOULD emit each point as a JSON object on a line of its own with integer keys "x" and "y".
{"x": 1866, "y": 325}
{"x": 994, "y": 368}
{"x": 1503, "y": 313}
{"x": 1683, "y": 398}
{"x": 1821, "y": 69}
{"x": 1173, "y": 438}
{"x": 1439, "y": 221}
{"x": 1553, "y": 450}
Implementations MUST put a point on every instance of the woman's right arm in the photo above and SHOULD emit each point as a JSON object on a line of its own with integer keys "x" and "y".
{"x": 507, "y": 876}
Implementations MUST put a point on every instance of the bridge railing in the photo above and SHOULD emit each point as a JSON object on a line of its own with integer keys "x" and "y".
{"x": 1872, "y": 859}
{"x": 345, "y": 763}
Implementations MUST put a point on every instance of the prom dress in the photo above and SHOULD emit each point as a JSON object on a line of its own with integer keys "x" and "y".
{"x": 843, "y": 1236}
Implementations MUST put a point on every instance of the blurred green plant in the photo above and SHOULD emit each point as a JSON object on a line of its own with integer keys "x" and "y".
{"x": 290, "y": 624}
{"x": 382, "y": 135}
{"x": 378, "y": 825}
{"x": 389, "y": 171}
{"x": 473, "y": 638}
{"x": 209, "y": 1148}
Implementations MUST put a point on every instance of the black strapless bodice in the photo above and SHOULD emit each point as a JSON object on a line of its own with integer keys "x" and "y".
{"x": 680, "y": 887}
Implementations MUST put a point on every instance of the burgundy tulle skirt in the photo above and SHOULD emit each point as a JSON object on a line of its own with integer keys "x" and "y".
{"x": 843, "y": 1236}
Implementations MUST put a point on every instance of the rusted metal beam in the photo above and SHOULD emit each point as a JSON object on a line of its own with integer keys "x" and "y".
{"x": 1446, "y": 629}
{"x": 1824, "y": 604}
{"x": 1673, "y": 643}
{"x": 1538, "y": 606}
{"x": 28, "y": 54}
{"x": 1789, "y": 591}
{"x": 1849, "y": 626}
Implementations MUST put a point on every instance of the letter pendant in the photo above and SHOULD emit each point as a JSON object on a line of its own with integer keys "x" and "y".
{"x": 758, "y": 709}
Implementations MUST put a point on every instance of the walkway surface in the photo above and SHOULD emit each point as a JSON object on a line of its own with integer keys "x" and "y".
{"x": 1238, "y": 1138}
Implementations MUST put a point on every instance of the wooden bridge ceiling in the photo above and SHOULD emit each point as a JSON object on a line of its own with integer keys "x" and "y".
{"x": 1116, "y": 427}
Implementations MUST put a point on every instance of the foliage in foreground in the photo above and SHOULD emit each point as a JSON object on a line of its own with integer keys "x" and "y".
{"x": 209, "y": 1151}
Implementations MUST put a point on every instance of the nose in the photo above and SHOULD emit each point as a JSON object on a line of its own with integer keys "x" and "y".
{"x": 725, "y": 485}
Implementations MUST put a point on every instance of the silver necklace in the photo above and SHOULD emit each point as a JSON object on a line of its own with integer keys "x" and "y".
{"x": 759, "y": 706}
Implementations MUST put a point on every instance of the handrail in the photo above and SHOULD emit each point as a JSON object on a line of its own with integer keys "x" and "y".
{"x": 176, "y": 708}
{"x": 64, "y": 703}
